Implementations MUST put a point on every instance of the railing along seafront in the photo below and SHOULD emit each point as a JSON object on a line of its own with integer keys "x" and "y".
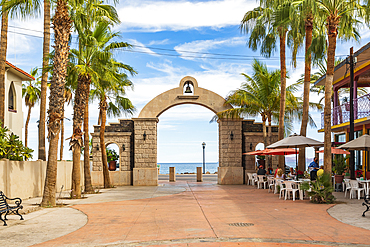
{"x": 340, "y": 114}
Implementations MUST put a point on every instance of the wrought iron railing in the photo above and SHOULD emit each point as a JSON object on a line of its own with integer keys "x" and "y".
{"x": 340, "y": 114}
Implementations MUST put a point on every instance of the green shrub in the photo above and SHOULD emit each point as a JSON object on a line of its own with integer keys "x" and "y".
{"x": 321, "y": 189}
{"x": 11, "y": 147}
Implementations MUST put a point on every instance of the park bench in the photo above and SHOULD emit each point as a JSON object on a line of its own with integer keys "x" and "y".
{"x": 366, "y": 203}
{"x": 6, "y": 209}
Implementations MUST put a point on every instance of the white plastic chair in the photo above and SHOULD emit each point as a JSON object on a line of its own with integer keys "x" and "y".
{"x": 271, "y": 183}
{"x": 280, "y": 183}
{"x": 250, "y": 179}
{"x": 347, "y": 186}
{"x": 261, "y": 180}
{"x": 355, "y": 187}
{"x": 255, "y": 179}
{"x": 289, "y": 188}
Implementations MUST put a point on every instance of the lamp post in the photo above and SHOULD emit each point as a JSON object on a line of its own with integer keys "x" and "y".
{"x": 204, "y": 157}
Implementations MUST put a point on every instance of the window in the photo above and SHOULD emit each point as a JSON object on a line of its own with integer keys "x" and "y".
{"x": 11, "y": 98}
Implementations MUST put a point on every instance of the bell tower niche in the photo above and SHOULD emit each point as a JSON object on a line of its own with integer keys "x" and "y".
{"x": 188, "y": 88}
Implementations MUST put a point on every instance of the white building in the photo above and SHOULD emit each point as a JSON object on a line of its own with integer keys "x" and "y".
{"x": 13, "y": 97}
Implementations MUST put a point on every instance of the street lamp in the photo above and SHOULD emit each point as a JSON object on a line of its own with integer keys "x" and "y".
{"x": 204, "y": 157}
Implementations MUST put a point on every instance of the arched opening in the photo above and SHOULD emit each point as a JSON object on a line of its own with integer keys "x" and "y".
{"x": 113, "y": 156}
{"x": 12, "y": 98}
{"x": 181, "y": 131}
{"x": 260, "y": 159}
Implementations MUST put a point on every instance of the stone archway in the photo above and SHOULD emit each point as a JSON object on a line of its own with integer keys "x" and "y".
{"x": 230, "y": 169}
{"x": 137, "y": 138}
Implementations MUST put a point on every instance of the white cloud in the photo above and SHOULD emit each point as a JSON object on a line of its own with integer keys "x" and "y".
{"x": 159, "y": 42}
{"x": 206, "y": 45}
{"x": 140, "y": 47}
{"x": 182, "y": 15}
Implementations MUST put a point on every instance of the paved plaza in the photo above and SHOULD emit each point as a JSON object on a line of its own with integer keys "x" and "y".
{"x": 189, "y": 214}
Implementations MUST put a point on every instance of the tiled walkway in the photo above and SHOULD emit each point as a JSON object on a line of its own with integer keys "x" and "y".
{"x": 201, "y": 216}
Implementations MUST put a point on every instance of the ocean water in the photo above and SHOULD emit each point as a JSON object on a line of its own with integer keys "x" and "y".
{"x": 186, "y": 167}
{"x": 192, "y": 167}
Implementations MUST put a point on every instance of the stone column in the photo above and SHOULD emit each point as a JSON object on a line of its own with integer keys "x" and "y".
{"x": 145, "y": 152}
{"x": 230, "y": 170}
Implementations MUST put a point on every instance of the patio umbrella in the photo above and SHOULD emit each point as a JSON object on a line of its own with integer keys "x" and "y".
{"x": 335, "y": 151}
{"x": 296, "y": 141}
{"x": 257, "y": 152}
{"x": 282, "y": 151}
{"x": 361, "y": 143}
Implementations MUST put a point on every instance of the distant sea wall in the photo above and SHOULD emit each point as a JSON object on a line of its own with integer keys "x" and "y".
{"x": 26, "y": 179}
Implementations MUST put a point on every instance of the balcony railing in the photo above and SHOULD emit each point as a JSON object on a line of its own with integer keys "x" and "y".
{"x": 340, "y": 114}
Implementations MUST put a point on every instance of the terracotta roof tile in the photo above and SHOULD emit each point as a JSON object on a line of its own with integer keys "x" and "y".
{"x": 19, "y": 70}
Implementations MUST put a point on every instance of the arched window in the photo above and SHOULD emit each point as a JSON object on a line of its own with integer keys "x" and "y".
{"x": 11, "y": 98}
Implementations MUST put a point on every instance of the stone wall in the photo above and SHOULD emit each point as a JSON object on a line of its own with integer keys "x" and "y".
{"x": 252, "y": 136}
{"x": 118, "y": 133}
{"x": 230, "y": 151}
{"x": 145, "y": 150}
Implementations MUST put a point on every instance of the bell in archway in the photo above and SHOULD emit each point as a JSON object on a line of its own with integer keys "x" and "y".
{"x": 188, "y": 89}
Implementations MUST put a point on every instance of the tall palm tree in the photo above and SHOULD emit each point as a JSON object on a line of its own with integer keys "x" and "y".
{"x": 260, "y": 96}
{"x": 110, "y": 91}
{"x": 264, "y": 32}
{"x": 67, "y": 100}
{"x": 62, "y": 29}
{"x": 25, "y": 8}
{"x": 31, "y": 94}
{"x": 341, "y": 23}
{"x": 87, "y": 15}
{"x": 3, "y": 48}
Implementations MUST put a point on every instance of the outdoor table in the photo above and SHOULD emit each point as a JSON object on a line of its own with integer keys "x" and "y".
{"x": 366, "y": 183}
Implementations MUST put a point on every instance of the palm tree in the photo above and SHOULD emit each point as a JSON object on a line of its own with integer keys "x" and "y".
{"x": 3, "y": 48}
{"x": 31, "y": 94}
{"x": 264, "y": 31}
{"x": 24, "y": 8}
{"x": 110, "y": 91}
{"x": 341, "y": 22}
{"x": 67, "y": 100}
{"x": 62, "y": 28}
{"x": 86, "y": 16}
{"x": 260, "y": 96}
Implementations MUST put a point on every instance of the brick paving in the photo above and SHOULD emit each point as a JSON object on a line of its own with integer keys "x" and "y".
{"x": 200, "y": 216}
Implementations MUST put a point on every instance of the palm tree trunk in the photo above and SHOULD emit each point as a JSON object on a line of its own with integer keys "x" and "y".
{"x": 103, "y": 112}
{"x": 76, "y": 140}
{"x": 26, "y": 126}
{"x": 3, "y": 48}
{"x": 61, "y": 137}
{"x": 306, "y": 89}
{"x": 44, "y": 80}
{"x": 269, "y": 157}
{"x": 332, "y": 36}
{"x": 282, "y": 91}
{"x": 87, "y": 175}
{"x": 62, "y": 28}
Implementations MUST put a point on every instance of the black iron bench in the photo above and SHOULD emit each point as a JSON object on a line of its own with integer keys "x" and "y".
{"x": 6, "y": 209}
{"x": 366, "y": 203}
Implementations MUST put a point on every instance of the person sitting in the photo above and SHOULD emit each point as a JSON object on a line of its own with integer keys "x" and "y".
{"x": 280, "y": 174}
{"x": 261, "y": 171}
{"x": 291, "y": 172}
{"x": 320, "y": 171}
{"x": 270, "y": 170}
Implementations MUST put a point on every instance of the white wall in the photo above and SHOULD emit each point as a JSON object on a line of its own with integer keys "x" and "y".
{"x": 14, "y": 120}
{"x": 26, "y": 179}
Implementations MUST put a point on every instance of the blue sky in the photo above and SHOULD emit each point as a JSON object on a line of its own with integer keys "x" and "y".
{"x": 197, "y": 26}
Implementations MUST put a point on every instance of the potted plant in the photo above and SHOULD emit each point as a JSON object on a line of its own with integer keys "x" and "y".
{"x": 112, "y": 158}
{"x": 338, "y": 168}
